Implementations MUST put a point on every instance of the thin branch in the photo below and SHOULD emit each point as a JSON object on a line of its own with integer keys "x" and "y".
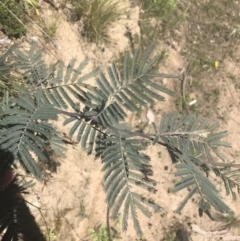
{"x": 119, "y": 130}
{"x": 151, "y": 137}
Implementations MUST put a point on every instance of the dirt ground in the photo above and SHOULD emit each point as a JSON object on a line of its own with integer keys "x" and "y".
{"x": 72, "y": 200}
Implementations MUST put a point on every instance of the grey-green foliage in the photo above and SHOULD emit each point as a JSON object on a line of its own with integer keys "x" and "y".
{"x": 192, "y": 178}
{"x": 24, "y": 129}
{"x": 125, "y": 167}
{"x": 97, "y": 114}
{"x": 195, "y": 141}
{"x": 8, "y": 82}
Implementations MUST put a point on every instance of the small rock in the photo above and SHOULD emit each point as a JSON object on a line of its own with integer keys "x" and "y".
{"x": 31, "y": 39}
{"x": 150, "y": 116}
{"x": 5, "y": 41}
{"x": 69, "y": 6}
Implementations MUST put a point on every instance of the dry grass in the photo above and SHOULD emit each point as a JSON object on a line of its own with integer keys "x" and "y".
{"x": 97, "y": 16}
{"x": 50, "y": 25}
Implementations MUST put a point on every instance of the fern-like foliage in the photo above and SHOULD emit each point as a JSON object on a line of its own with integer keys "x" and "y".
{"x": 8, "y": 82}
{"x": 105, "y": 106}
{"x": 31, "y": 65}
{"x": 194, "y": 134}
{"x": 25, "y": 130}
{"x": 194, "y": 141}
{"x": 3, "y": 66}
{"x": 231, "y": 179}
{"x": 135, "y": 89}
{"x": 125, "y": 167}
{"x": 97, "y": 114}
{"x": 5, "y": 101}
{"x": 88, "y": 135}
{"x": 56, "y": 82}
{"x": 63, "y": 84}
{"x": 194, "y": 179}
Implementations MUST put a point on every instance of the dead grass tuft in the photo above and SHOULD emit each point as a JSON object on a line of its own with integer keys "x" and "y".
{"x": 98, "y": 16}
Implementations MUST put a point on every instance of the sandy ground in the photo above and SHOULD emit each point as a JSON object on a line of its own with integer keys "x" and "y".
{"x": 73, "y": 199}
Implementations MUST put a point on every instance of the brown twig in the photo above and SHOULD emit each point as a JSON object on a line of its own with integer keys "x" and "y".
{"x": 151, "y": 137}
{"x": 214, "y": 164}
{"x": 183, "y": 87}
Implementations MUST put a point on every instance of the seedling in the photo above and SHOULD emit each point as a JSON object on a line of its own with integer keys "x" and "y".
{"x": 99, "y": 233}
{"x": 52, "y": 235}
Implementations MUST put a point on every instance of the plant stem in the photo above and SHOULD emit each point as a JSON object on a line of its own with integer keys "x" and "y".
{"x": 119, "y": 130}
{"x": 149, "y": 137}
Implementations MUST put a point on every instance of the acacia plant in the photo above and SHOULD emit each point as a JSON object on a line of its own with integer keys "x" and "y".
{"x": 98, "y": 124}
